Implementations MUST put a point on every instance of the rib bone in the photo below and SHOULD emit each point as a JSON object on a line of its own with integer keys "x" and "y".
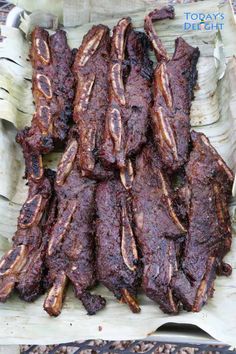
{"x": 45, "y": 119}
{"x": 119, "y": 36}
{"x": 84, "y": 94}
{"x": 6, "y": 287}
{"x": 130, "y": 301}
{"x": 115, "y": 126}
{"x": 35, "y": 165}
{"x": 172, "y": 302}
{"x": 13, "y": 261}
{"x": 44, "y": 85}
{"x": 169, "y": 204}
{"x": 117, "y": 82}
{"x": 62, "y": 227}
{"x": 54, "y": 299}
{"x": 162, "y": 83}
{"x": 90, "y": 47}
{"x": 165, "y": 130}
{"x": 42, "y": 50}
{"x": 31, "y": 212}
{"x": 128, "y": 244}
{"x": 158, "y": 14}
{"x": 127, "y": 175}
{"x": 156, "y": 43}
{"x": 89, "y": 139}
{"x": 66, "y": 163}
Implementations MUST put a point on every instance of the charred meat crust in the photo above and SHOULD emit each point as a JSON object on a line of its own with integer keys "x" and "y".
{"x": 70, "y": 252}
{"x": 209, "y": 183}
{"x": 22, "y": 266}
{"x": 32, "y": 277}
{"x": 53, "y": 92}
{"x": 174, "y": 81}
{"x": 129, "y": 96}
{"x": 157, "y": 226}
{"x": 134, "y": 228}
{"x": 91, "y": 100}
{"x": 117, "y": 262}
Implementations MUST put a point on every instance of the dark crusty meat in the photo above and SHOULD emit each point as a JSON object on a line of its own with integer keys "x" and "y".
{"x": 117, "y": 257}
{"x": 209, "y": 183}
{"x": 22, "y": 265}
{"x": 53, "y": 92}
{"x": 30, "y": 282}
{"x": 137, "y": 93}
{"x": 70, "y": 253}
{"x": 130, "y": 95}
{"x": 63, "y": 84}
{"x": 91, "y": 101}
{"x": 174, "y": 81}
{"x": 157, "y": 228}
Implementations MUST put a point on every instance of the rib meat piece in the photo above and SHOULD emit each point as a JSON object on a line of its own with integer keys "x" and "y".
{"x": 31, "y": 279}
{"x": 53, "y": 92}
{"x": 118, "y": 267}
{"x": 129, "y": 95}
{"x": 91, "y": 71}
{"x": 157, "y": 228}
{"x": 166, "y": 12}
{"x": 22, "y": 265}
{"x": 209, "y": 183}
{"x": 137, "y": 93}
{"x": 174, "y": 81}
{"x": 70, "y": 253}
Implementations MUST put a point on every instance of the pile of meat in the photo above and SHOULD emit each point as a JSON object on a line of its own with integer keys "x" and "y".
{"x": 138, "y": 199}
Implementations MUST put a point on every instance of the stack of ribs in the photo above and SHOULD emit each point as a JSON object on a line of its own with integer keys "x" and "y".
{"x": 117, "y": 255}
{"x": 174, "y": 80}
{"x": 157, "y": 227}
{"x": 91, "y": 101}
{"x": 130, "y": 74}
{"x": 23, "y": 266}
{"x": 53, "y": 93}
{"x": 70, "y": 251}
{"x": 138, "y": 200}
{"x": 207, "y": 193}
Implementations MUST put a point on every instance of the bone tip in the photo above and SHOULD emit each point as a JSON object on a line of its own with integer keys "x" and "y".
{"x": 59, "y": 182}
{"x": 196, "y": 307}
{"x": 36, "y": 177}
{"x": 52, "y": 310}
{"x": 131, "y": 301}
{"x": 50, "y": 248}
{"x": 6, "y": 289}
{"x": 136, "y": 309}
{"x": 125, "y": 20}
{"x": 53, "y": 304}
